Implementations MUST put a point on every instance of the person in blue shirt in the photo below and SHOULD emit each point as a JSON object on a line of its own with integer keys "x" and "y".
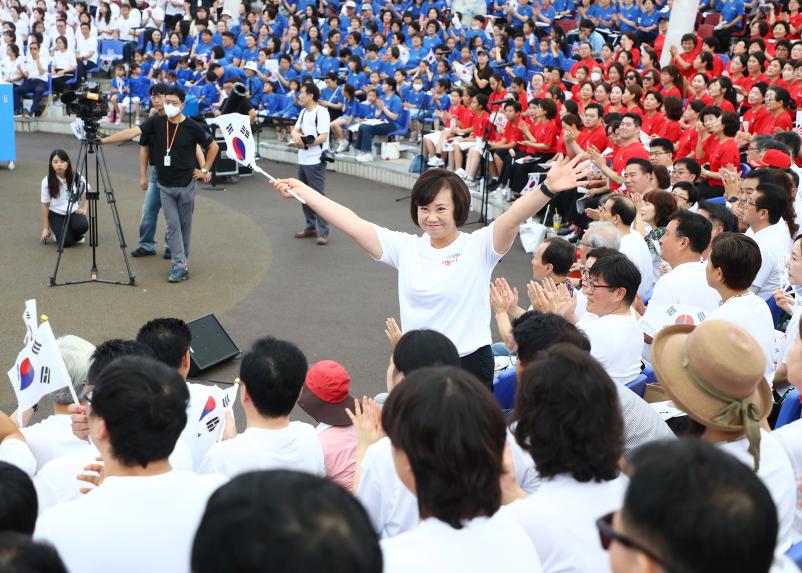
{"x": 331, "y": 96}
{"x": 139, "y": 93}
{"x": 242, "y": 36}
{"x": 203, "y": 49}
{"x": 355, "y": 76}
{"x": 284, "y": 75}
{"x": 354, "y": 41}
{"x": 564, "y": 8}
{"x": 251, "y": 51}
{"x": 186, "y": 76}
{"x": 519, "y": 13}
{"x": 268, "y": 104}
{"x": 372, "y": 62}
{"x": 605, "y": 15}
{"x": 518, "y": 67}
{"x": 329, "y": 62}
{"x": 588, "y": 33}
{"x": 350, "y": 12}
{"x": 387, "y": 69}
{"x": 388, "y": 111}
{"x": 418, "y": 103}
{"x": 233, "y": 53}
{"x": 351, "y": 111}
{"x": 252, "y": 82}
{"x": 647, "y": 23}
{"x": 209, "y": 92}
{"x": 432, "y": 41}
{"x": 628, "y": 14}
{"x": 156, "y": 42}
{"x": 732, "y": 12}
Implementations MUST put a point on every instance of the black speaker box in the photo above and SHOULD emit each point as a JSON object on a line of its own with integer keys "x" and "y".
{"x": 211, "y": 344}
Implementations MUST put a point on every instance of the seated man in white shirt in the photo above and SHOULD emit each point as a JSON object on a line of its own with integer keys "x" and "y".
{"x": 18, "y": 506}
{"x": 763, "y": 212}
{"x": 722, "y": 220}
{"x": 599, "y": 234}
{"x": 719, "y": 498}
{"x": 566, "y": 383}
{"x": 144, "y": 514}
{"x": 272, "y": 375}
{"x": 448, "y": 435}
{"x": 733, "y": 264}
{"x": 620, "y": 211}
{"x": 304, "y": 524}
{"x": 52, "y": 437}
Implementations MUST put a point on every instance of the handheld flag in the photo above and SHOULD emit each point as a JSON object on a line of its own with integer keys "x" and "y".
{"x": 29, "y": 318}
{"x": 431, "y": 59}
{"x": 206, "y": 417}
{"x": 39, "y": 370}
{"x": 490, "y": 32}
{"x": 241, "y": 147}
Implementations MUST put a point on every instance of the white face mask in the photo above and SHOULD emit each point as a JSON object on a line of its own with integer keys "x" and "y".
{"x": 595, "y": 76}
{"x": 417, "y": 87}
{"x": 171, "y": 110}
{"x": 326, "y": 51}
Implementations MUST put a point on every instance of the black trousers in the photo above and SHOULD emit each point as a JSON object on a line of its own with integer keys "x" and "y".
{"x": 481, "y": 364}
{"x": 77, "y": 228}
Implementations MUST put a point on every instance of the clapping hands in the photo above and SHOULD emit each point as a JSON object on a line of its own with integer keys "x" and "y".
{"x": 550, "y": 297}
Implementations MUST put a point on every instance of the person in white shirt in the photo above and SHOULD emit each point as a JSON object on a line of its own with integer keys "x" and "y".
{"x": 11, "y": 66}
{"x": 714, "y": 373}
{"x": 304, "y": 524}
{"x": 55, "y": 199}
{"x": 272, "y": 375}
{"x": 684, "y": 491}
{"x": 444, "y": 274}
{"x": 86, "y": 50}
{"x": 763, "y": 212}
{"x": 448, "y": 435}
{"x": 599, "y": 234}
{"x": 34, "y": 70}
{"x": 578, "y": 465}
{"x": 52, "y": 437}
{"x": 733, "y": 264}
{"x": 17, "y": 500}
{"x": 64, "y": 65}
{"x": 136, "y": 414}
{"x": 791, "y": 303}
{"x": 620, "y": 211}
{"x": 615, "y": 337}
{"x": 62, "y": 30}
{"x": 127, "y": 23}
{"x": 687, "y": 236}
{"x": 722, "y": 220}
{"x": 105, "y": 22}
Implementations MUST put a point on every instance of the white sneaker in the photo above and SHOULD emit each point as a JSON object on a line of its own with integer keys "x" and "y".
{"x": 342, "y": 146}
{"x": 461, "y": 173}
{"x": 364, "y": 157}
{"x": 473, "y": 184}
{"x": 435, "y": 161}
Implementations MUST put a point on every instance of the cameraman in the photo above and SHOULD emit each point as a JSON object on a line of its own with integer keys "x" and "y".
{"x": 153, "y": 203}
{"x": 311, "y": 136}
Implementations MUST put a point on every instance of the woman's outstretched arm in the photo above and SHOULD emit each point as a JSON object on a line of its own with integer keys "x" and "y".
{"x": 362, "y": 232}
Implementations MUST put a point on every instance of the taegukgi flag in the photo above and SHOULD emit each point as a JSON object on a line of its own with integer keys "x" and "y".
{"x": 39, "y": 370}
{"x": 240, "y": 144}
{"x": 29, "y": 318}
{"x": 206, "y": 417}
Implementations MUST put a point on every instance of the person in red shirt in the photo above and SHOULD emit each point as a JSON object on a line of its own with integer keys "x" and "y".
{"x": 602, "y": 94}
{"x": 584, "y": 96}
{"x": 698, "y": 89}
{"x": 585, "y": 60}
{"x": 778, "y": 102}
{"x": 497, "y": 93}
{"x": 686, "y": 145}
{"x": 742, "y": 83}
{"x": 480, "y": 129}
{"x": 662, "y": 29}
{"x": 541, "y": 140}
{"x": 673, "y": 83}
{"x": 706, "y": 127}
{"x": 712, "y": 46}
{"x": 653, "y": 119}
{"x": 616, "y": 105}
{"x": 755, "y": 64}
{"x": 672, "y": 109}
{"x": 722, "y": 93}
{"x": 519, "y": 89}
{"x": 725, "y": 154}
{"x": 684, "y": 59}
{"x": 593, "y": 134}
{"x": 631, "y": 99}
{"x": 504, "y": 149}
{"x": 774, "y": 73}
{"x": 581, "y": 77}
{"x": 795, "y": 89}
{"x": 757, "y": 119}
{"x": 629, "y": 146}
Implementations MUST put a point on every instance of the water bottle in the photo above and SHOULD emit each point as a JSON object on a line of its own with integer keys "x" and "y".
{"x": 556, "y": 221}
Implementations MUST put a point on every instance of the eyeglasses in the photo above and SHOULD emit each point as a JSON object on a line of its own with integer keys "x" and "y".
{"x": 755, "y": 205}
{"x": 630, "y": 78}
{"x": 607, "y": 535}
{"x": 593, "y": 286}
{"x": 683, "y": 197}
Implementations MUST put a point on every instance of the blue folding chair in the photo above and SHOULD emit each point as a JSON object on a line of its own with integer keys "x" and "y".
{"x": 795, "y": 554}
{"x": 650, "y": 376}
{"x": 777, "y": 313}
{"x": 717, "y": 200}
{"x": 790, "y": 410}
{"x": 504, "y": 389}
{"x": 403, "y": 120}
{"x": 638, "y": 385}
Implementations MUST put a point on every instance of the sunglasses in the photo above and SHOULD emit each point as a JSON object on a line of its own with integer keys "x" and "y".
{"x": 607, "y": 535}
{"x": 630, "y": 77}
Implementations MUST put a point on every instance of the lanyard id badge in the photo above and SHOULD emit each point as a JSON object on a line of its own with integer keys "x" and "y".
{"x": 169, "y": 142}
{"x": 167, "y": 160}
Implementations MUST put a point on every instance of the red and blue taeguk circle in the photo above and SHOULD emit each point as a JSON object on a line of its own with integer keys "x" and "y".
{"x": 239, "y": 148}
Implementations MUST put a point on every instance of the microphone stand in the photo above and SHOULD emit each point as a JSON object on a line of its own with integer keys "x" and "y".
{"x": 484, "y": 166}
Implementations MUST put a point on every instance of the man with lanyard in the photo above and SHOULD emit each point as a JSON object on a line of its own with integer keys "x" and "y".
{"x": 176, "y": 172}
{"x": 313, "y": 122}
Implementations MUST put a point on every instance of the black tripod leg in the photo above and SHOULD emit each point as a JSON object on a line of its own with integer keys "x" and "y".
{"x": 79, "y": 167}
{"x": 115, "y": 215}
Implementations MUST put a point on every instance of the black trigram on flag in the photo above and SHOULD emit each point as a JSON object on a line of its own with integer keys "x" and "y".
{"x": 230, "y": 129}
{"x": 226, "y": 401}
{"x": 244, "y": 131}
{"x": 37, "y": 346}
{"x": 212, "y": 424}
{"x": 671, "y": 311}
{"x": 44, "y": 375}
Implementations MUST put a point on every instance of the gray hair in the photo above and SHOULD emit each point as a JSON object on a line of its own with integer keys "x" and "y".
{"x": 77, "y": 355}
{"x": 603, "y": 234}
{"x": 765, "y": 142}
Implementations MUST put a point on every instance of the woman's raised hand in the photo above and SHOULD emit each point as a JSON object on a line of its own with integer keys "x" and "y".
{"x": 567, "y": 173}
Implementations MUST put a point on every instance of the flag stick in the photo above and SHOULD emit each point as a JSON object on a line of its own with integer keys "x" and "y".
{"x": 273, "y": 180}
{"x": 74, "y": 395}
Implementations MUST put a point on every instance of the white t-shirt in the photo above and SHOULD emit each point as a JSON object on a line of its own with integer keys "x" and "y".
{"x": 86, "y": 46}
{"x": 751, "y": 313}
{"x": 126, "y": 27}
{"x": 560, "y": 519}
{"x": 58, "y": 204}
{"x": 444, "y": 289}
{"x": 790, "y": 438}
{"x": 17, "y": 453}
{"x": 295, "y": 447}
{"x": 616, "y": 342}
{"x": 64, "y": 60}
{"x": 684, "y": 284}
{"x": 32, "y": 68}
{"x": 633, "y": 245}
{"x": 392, "y": 508}
{"x": 52, "y": 438}
{"x": 130, "y": 524}
{"x": 791, "y": 331}
{"x": 313, "y": 123}
{"x": 483, "y": 544}
{"x": 777, "y": 475}
{"x": 55, "y": 482}
{"x": 775, "y": 245}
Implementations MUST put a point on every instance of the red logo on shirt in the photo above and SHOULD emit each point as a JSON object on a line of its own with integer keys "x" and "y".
{"x": 450, "y": 259}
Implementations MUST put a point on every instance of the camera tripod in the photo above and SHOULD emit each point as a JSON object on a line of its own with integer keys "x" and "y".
{"x": 90, "y": 145}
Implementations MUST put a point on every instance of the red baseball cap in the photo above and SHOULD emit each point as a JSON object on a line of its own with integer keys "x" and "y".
{"x": 325, "y": 394}
{"x": 773, "y": 158}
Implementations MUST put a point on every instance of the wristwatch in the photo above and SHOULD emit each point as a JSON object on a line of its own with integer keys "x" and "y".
{"x": 547, "y": 192}
{"x": 204, "y": 170}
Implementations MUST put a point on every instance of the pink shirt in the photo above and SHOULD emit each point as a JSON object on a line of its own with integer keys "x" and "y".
{"x": 339, "y": 453}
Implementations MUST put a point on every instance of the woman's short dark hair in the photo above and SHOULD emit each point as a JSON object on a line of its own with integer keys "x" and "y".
{"x": 738, "y": 258}
{"x": 534, "y": 332}
{"x": 18, "y": 503}
{"x": 731, "y": 123}
{"x": 689, "y": 188}
{"x": 664, "y": 204}
{"x": 431, "y": 183}
{"x": 568, "y": 416}
{"x": 424, "y": 348}
{"x": 453, "y": 432}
